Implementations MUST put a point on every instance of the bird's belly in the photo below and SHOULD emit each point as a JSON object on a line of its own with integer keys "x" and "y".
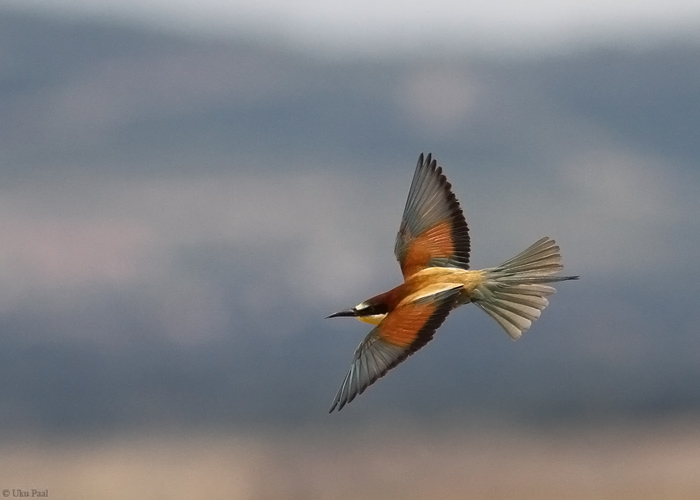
{"x": 445, "y": 276}
{"x": 434, "y": 275}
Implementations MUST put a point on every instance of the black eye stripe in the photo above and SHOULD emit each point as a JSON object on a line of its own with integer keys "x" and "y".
{"x": 373, "y": 309}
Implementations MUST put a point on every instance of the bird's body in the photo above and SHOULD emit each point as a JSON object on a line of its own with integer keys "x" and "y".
{"x": 426, "y": 283}
{"x": 432, "y": 248}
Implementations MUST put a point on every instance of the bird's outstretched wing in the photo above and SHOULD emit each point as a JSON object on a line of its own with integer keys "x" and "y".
{"x": 404, "y": 330}
{"x": 433, "y": 231}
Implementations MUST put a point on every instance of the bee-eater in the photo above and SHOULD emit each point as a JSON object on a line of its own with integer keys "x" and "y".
{"x": 432, "y": 248}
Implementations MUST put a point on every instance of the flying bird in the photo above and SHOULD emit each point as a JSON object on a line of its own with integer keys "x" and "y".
{"x": 432, "y": 247}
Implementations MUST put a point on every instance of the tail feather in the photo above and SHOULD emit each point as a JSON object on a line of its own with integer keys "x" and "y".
{"x": 514, "y": 324}
{"x": 540, "y": 258}
{"x": 514, "y": 293}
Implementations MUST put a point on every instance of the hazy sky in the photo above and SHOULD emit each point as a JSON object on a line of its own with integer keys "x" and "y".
{"x": 390, "y": 24}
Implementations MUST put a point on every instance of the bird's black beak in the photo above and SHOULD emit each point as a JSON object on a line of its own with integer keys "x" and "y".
{"x": 347, "y": 312}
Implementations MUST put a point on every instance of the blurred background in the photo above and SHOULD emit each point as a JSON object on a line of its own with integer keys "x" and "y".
{"x": 188, "y": 189}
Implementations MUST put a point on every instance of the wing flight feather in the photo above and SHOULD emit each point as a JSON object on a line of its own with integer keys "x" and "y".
{"x": 433, "y": 230}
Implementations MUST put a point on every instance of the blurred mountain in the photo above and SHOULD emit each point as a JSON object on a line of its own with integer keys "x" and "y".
{"x": 179, "y": 215}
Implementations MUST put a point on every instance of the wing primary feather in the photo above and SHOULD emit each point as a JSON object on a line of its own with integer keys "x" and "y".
{"x": 357, "y": 385}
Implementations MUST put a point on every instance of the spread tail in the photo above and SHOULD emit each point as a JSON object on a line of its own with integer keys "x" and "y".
{"x": 514, "y": 293}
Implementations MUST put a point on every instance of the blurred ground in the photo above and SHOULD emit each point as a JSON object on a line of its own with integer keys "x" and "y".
{"x": 620, "y": 462}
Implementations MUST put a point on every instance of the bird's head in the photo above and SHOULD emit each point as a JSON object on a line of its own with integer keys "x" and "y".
{"x": 371, "y": 311}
